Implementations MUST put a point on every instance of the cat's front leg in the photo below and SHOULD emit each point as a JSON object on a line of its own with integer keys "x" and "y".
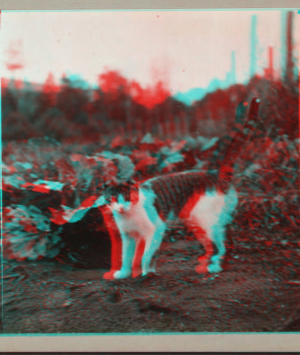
{"x": 153, "y": 242}
{"x": 116, "y": 244}
{"x": 137, "y": 260}
{"x": 128, "y": 250}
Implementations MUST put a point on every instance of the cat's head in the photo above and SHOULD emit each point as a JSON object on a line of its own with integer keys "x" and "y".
{"x": 118, "y": 197}
{"x": 119, "y": 204}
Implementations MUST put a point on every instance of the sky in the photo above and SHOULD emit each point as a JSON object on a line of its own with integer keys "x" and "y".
{"x": 184, "y": 49}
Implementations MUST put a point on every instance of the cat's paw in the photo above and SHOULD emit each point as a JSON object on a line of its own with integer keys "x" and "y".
{"x": 136, "y": 273}
{"x": 149, "y": 270}
{"x": 109, "y": 275}
{"x": 214, "y": 268}
{"x": 122, "y": 274}
{"x": 201, "y": 269}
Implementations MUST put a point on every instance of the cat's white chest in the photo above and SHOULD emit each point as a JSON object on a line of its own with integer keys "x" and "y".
{"x": 136, "y": 220}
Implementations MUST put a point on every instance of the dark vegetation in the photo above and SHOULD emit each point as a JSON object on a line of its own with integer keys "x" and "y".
{"x": 71, "y": 114}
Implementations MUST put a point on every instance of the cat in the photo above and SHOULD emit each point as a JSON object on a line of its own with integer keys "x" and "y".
{"x": 206, "y": 202}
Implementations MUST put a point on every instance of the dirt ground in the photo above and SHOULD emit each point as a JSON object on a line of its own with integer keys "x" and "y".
{"x": 252, "y": 294}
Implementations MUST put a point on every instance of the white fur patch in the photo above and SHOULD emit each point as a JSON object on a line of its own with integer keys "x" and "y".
{"x": 215, "y": 208}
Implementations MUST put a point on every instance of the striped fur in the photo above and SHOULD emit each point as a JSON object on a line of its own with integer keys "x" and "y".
{"x": 205, "y": 202}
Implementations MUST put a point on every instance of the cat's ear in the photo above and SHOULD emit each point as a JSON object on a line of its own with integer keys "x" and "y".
{"x": 121, "y": 199}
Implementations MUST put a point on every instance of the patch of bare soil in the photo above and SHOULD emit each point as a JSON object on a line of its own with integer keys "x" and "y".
{"x": 255, "y": 293}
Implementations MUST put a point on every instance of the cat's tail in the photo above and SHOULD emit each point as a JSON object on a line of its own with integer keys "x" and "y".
{"x": 243, "y": 131}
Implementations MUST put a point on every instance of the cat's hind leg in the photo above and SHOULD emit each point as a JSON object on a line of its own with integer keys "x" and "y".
{"x": 205, "y": 240}
{"x": 218, "y": 230}
{"x": 218, "y": 237}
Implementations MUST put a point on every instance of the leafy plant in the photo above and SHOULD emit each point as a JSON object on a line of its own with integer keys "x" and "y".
{"x": 27, "y": 234}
